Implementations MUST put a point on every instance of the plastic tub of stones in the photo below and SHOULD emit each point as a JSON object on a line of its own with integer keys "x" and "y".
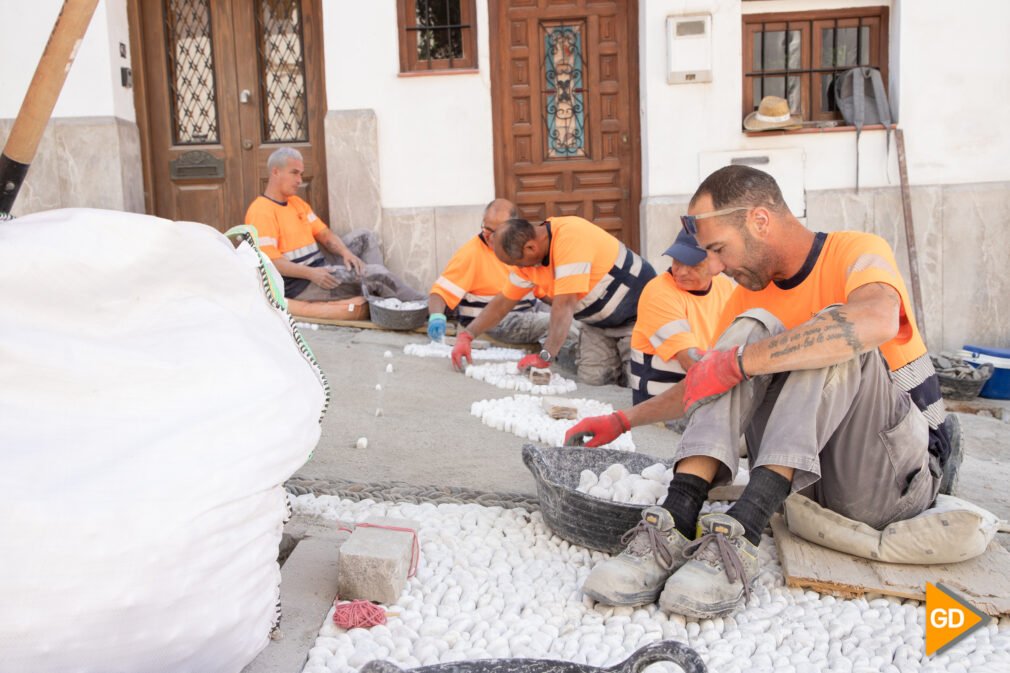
{"x": 654, "y": 653}
{"x": 391, "y": 313}
{"x": 578, "y": 517}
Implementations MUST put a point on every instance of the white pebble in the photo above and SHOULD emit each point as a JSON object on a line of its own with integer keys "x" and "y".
{"x": 378, "y": 412}
{"x": 389, "y": 368}
{"x": 378, "y": 386}
{"x": 362, "y": 443}
{"x": 387, "y": 354}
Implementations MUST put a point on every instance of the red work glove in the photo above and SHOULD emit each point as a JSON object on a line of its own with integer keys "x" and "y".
{"x": 532, "y": 360}
{"x": 461, "y": 351}
{"x": 710, "y": 377}
{"x": 599, "y": 429}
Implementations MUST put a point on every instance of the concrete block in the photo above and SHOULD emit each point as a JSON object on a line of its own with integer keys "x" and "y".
{"x": 374, "y": 561}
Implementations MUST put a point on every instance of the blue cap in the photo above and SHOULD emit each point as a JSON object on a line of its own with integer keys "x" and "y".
{"x": 686, "y": 250}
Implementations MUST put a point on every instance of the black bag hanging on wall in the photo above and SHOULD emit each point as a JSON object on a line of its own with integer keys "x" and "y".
{"x": 860, "y": 106}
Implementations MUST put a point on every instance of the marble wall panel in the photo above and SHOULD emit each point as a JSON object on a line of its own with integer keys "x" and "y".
{"x": 660, "y": 219}
{"x": 131, "y": 165}
{"x": 976, "y": 283}
{"x": 91, "y": 162}
{"x": 352, "y": 170}
{"x": 408, "y": 241}
{"x": 454, "y": 226}
{"x": 840, "y": 210}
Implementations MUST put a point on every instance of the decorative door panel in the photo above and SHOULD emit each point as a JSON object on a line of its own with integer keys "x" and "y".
{"x": 565, "y": 100}
{"x": 223, "y": 84}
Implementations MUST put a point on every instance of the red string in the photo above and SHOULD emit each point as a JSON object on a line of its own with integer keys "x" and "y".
{"x": 358, "y": 615}
{"x": 361, "y": 614}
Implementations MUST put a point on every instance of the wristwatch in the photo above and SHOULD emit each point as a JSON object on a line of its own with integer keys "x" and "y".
{"x": 545, "y": 355}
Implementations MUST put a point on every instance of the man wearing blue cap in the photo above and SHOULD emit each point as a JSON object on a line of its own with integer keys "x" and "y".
{"x": 678, "y": 314}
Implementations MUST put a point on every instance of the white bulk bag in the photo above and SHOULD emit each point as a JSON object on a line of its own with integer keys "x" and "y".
{"x": 152, "y": 402}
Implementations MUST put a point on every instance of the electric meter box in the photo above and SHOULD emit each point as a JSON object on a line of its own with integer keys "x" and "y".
{"x": 689, "y": 49}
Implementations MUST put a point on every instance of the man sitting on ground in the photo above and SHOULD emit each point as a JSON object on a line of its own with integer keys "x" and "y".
{"x": 474, "y": 276}
{"x": 819, "y": 363}
{"x": 587, "y": 274}
{"x": 290, "y": 234}
{"x": 677, "y": 317}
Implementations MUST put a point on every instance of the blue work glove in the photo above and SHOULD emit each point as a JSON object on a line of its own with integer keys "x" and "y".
{"x": 436, "y": 326}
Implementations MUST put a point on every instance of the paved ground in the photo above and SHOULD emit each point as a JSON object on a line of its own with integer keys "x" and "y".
{"x": 426, "y": 435}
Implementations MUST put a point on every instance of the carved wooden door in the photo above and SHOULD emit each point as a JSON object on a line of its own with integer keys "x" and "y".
{"x": 225, "y": 83}
{"x": 565, "y": 107}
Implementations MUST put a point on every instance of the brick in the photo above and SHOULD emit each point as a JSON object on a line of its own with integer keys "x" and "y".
{"x": 374, "y": 562}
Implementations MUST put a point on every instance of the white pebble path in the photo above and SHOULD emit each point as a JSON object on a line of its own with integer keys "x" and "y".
{"x": 505, "y": 375}
{"x": 437, "y": 350}
{"x": 496, "y": 582}
{"x": 525, "y": 417}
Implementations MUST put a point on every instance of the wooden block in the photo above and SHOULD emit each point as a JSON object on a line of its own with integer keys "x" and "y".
{"x": 540, "y": 377}
{"x": 984, "y": 580}
{"x": 560, "y": 408}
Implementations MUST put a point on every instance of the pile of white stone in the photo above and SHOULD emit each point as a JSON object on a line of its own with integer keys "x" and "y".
{"x": 496, "y": 583}
{"x": 506, "y": 375}
{"x": 433, "y": 349}
{"x": 394, "y": 304}
{"x": 618, "y": 485}
{"x": 525, "y": 416}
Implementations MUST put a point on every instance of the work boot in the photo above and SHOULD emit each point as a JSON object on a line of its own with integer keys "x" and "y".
{"x": 636, "y": 575}
{"x": 716, "y": 577}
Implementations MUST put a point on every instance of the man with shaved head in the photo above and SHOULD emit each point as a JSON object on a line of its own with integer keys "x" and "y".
{"x": 587, "y": 275}
{"x": 474, "y": 276}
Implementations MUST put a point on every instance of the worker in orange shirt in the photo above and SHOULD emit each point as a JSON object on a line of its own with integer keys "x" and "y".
{"x": 316, "y": 264}
{"x": 678, "y": 314}
{"x": 820, "y": 364}
{"x": 587, "y": 275}
{"x": 474, "y": 276}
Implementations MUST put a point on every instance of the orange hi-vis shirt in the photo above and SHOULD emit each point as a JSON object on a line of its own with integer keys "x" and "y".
{"x": 846, "y": 261}
{"x": 287, "y": 230}
{"x": 472, "y": 278}
{"x": 586, "y": 261}
{"x": 671, "y": 320}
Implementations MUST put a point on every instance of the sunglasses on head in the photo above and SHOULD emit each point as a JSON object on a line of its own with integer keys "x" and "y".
{"x": 690, "y": 222}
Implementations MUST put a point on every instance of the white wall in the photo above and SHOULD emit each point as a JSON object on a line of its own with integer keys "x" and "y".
{"x": 955, "y": 90}
{"x": 950, "y": 62}
{"x": 92, "y": 88}
{"x": 435, "y": 146}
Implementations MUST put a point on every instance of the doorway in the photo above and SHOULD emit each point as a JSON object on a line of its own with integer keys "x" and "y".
{"x": 220, "y": 85}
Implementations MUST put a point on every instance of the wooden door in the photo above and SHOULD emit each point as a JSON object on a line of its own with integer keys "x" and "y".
{"x": 565, "y": 107}
{"x": 223, "y": 84}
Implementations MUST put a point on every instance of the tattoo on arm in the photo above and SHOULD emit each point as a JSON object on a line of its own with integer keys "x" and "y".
{"x": 831, "y": 326}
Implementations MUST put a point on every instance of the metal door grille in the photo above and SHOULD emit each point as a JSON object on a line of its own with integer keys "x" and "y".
{"x": 189, "y": 43}
{"x": 282, "y": 71}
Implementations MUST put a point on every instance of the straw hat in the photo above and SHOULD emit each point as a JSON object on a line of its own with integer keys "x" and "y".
{"x": 772, "y": 113}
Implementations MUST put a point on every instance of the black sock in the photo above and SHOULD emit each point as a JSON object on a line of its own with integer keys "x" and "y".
{"x": 684, "y": 500}
{"x": 762, "y": 497}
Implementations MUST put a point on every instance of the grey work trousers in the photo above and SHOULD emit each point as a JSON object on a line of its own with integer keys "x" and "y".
{"x": 604, "y": 355}
{"x": 379, "y": 280}
{"x": 856, "y": 441}
{"x": 522, "y": 327}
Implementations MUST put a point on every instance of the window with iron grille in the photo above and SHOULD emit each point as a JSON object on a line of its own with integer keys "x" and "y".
{"x": 797, "y": 56}
{"x": 437, "y": 35}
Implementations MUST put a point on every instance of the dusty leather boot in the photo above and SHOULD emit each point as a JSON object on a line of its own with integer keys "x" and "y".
{"x": 716, "y": 577}
{"x": 637, "y": 574}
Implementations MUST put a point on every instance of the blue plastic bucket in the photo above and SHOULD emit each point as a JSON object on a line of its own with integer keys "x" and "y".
{"x": 997, "y": 387}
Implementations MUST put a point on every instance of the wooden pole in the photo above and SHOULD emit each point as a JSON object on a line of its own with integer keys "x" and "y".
{"x": 913, "y": 255}
{"x": 40, "y": 99}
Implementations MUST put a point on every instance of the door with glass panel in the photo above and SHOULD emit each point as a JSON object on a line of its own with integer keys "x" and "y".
{"x": 564, "y": 81}
{"x": 224, "y": 83}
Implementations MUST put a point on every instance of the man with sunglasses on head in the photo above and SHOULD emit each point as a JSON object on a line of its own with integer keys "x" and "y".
{"x": 474, "y": 276}
{"x": 819, "y": 364}
{"x": 586, "y": 274}
{"x": 678, "y": 314}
